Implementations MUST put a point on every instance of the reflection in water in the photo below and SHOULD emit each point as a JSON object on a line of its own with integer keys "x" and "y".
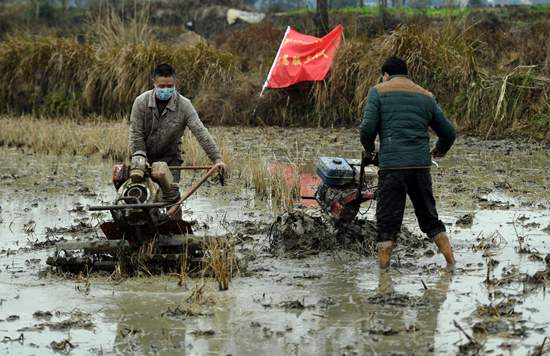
{"x": 417, "y": 323}
{"x": 403, "y": 322}
{"x": 142, "y": 328}
{"x": 351, "y": 320}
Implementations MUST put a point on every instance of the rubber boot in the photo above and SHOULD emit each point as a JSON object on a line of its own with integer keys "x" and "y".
{"x": 444, "y": 245}
{"x": 385, "y": 249}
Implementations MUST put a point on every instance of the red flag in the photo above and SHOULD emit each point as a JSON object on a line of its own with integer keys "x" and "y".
{"x": 303, "y": 58}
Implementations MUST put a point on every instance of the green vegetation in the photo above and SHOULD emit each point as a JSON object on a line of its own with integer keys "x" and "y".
{"x": 372, "y": 11}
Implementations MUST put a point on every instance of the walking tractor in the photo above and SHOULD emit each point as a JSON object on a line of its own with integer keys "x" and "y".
{"x": 344, "y": 185}
{"x": 145, "y": 232}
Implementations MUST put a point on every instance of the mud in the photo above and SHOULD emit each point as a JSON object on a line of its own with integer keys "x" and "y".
{"x": 305, "y": 232}
{"x": 74, "y": 320}
{"x": 331, "y": 299}
{"x": 465, "y": 220}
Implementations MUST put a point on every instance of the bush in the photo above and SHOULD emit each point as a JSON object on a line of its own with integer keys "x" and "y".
{"x": 465, "y": 61}
{"x": 52, "y": 76}
{"x": 41, "y": 73}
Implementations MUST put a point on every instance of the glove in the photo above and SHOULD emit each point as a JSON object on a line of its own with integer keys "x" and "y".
{"x": 370, "y": 158}
{"x": 138, "y": 166}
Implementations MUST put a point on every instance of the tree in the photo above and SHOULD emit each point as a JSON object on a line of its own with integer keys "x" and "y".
{"x": 321, "y": 17}
{"x": 419, "y": 4}
{"x": 64, "y": 5}
{"x": 475, "y": 3}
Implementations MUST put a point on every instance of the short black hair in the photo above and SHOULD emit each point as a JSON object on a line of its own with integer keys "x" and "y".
{"x": 394, "y": 65}
{"x": 164, "y": 70}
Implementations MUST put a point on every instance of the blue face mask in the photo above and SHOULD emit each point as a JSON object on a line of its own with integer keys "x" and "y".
{"x": 165, "y": 93}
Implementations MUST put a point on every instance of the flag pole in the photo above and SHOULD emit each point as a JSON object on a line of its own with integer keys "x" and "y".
{"x": 275, "y": 61}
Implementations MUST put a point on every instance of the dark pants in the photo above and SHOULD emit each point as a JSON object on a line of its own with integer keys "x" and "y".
{"x": 393, "y": 187}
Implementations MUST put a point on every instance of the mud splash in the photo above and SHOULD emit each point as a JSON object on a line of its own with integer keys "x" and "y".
{"x": 306, "y": 232}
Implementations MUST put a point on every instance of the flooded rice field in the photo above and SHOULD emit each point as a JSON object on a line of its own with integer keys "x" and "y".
{"x": 493, "y": 196}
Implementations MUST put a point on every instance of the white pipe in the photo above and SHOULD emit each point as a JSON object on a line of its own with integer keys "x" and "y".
{"x": 275, "y": 61}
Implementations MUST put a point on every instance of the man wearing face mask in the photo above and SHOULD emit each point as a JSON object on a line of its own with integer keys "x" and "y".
{"x": 400, "y": 112}
{"x": 157, "y": 122}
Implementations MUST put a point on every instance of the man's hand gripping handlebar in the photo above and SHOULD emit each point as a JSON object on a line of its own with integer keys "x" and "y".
{"x": 218, "y": 166}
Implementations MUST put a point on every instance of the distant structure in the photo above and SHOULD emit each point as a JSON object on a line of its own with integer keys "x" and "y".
{"x": 280, "y": 5}
{"x": 284, "y": 5}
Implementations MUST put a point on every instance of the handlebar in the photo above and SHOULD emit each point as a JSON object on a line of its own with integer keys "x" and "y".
{"x": 369, "y": 158}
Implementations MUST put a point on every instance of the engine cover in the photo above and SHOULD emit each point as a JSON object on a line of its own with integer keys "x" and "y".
{"x": 335, "y": 171}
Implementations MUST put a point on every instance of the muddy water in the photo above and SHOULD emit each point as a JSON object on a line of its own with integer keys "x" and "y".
{"x": 333, "y": 303}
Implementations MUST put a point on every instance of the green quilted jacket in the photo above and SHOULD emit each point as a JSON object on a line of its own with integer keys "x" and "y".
{"x": 400, "y": 112}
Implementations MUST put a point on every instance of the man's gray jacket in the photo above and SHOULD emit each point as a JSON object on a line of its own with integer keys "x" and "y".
{"x": 160, "y": 135}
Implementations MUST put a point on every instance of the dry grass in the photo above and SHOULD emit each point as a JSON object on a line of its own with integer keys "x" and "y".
{"x": 118, "y": 75}
{"x": 450, "y": 60}
{"x": 277, "y": 184}
{"x": 43, "y": 74}
{"x": 111, "y": 30}
{"x": 221, "y": 260}
{"x": 66, "y": 136}
{"x": 284, "y": 186}
{"x": 503, "y": 105}
{"x": 109, "y": 140}
{"x": 99, "y": 78}
{"x": 462, "y": 62}
{"x": 453, "y": 58}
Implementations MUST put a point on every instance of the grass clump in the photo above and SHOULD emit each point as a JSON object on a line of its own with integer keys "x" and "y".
{"x": 43, "y": 74}
{"x": 60, "y": 76}
{"x": 221, "y": 261}
{"x": 499, "y": 105}
{"x": 118, "y": 75}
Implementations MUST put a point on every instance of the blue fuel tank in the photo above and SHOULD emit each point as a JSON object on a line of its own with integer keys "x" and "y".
{"x": 334, "y": 171}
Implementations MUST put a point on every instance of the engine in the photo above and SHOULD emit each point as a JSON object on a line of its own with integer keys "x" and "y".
{"x": 343, "y": 188}
{"x": 140, "y": 183}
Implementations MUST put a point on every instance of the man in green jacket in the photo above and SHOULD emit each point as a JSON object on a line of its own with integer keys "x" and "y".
{"x": 400, "y": 112}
